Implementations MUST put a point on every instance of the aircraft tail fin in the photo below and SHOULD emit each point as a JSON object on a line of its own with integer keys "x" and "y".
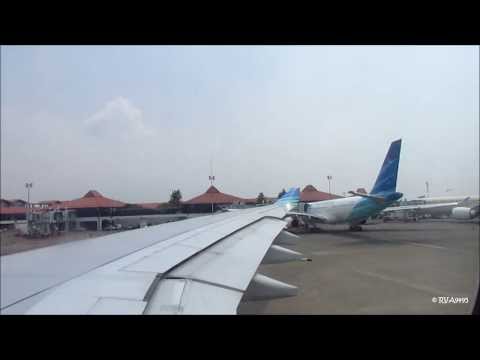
{"x": 387, "y": 177}
{"x": 290, "y": 199}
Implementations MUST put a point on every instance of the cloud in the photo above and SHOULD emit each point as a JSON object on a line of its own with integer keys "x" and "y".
{"x": 118, "y": 117}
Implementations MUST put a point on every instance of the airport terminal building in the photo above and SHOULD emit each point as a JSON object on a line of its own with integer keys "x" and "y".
{"x": 210, "y": 201}
{"x": 93, "y": 211}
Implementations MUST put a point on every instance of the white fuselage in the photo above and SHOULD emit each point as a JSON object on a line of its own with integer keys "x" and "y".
{"x": 335, "y": 211}
{"x": 446, "y": 199}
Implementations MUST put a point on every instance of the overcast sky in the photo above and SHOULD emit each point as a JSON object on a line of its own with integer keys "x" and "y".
{"x": 134, "y": 122}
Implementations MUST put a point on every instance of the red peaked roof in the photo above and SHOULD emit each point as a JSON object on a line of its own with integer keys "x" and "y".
{"x": 92, "y": 199}
{"x": 213, "y": 196}
{"x": 309, "y": 193}
{"x": 13, "y": 210}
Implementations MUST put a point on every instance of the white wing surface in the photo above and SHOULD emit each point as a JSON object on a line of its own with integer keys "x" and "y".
{"x": 197, "y": 266}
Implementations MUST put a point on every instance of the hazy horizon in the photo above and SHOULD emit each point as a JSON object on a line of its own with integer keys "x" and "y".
{"x": 135, "y": 122}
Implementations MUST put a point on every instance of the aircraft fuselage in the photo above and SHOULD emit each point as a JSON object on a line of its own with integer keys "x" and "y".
{"x": 351, "y": 210}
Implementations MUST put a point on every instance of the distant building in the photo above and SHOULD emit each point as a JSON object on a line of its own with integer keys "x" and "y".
{"x": 49, "y": 203}
{"x": 15, "y": 210}
{"x": 92, "y": 209}
{"x": 152, "y": 205}
{"x": 211, "y": 200}
{"x": 95, "y": 211}
{"x": 92, "y": 200}
{"x": 253, "y": 201}
{"x": 12, "y": 213}
{"x": 12, "y": 210}
{"x": 150, "y": 208}
{"x": 311, "y": 194}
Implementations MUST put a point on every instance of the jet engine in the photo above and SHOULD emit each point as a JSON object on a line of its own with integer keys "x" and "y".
{"x": 464, "y": 213}
{"x": 291, "y": 221}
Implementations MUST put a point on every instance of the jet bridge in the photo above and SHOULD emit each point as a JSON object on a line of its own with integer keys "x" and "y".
{"x": 51, "y": 222}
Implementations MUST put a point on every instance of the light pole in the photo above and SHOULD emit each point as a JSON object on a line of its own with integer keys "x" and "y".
{"x": 329, "y": 177}
{"x": 28, "y": 186}
{"x": 211, "y": 178}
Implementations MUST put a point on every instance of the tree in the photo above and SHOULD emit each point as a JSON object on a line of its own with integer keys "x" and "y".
{"x": 261, "y": 198}
{"x": 175, "y": 198}
{"x": 281, "y": 193}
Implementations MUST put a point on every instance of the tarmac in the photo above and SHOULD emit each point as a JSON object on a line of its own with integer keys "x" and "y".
{"x": 388, "y": 268}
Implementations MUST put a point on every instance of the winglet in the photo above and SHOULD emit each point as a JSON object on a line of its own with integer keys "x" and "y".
{"x": 290, "y": 199}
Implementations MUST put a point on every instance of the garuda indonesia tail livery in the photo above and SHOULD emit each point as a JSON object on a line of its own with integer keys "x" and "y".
{"x": 355, "y": 210}
{"x": 202, "y": 265}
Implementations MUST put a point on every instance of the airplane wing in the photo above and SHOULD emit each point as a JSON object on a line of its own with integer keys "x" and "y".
{"x": 419, "y": 207}
{"x": 202, "y": 265}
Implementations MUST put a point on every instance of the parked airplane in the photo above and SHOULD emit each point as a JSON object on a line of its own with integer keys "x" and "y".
{"x": 460, "y": 210}
{"x": 445, "y": 199}
{"x": 355, "y": 210}
{"x": 204, "y": 265}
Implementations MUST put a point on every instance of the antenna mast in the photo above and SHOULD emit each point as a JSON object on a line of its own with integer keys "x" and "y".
{"x": 211, "y": 177}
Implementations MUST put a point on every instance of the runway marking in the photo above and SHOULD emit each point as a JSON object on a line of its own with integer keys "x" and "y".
{"x": 439, "y": 247}
{"x": 320, "y": 253}
{"x": 427, "y": 289}
{"x": 429, "y": 246}
{"x": 326, "y": 253}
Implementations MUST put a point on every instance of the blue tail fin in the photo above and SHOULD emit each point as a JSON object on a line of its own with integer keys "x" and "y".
{"x": 290, "y": 199}
{"x": 387, "y": 178}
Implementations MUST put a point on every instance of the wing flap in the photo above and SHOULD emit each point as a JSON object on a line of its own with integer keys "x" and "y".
{"x": 185, "y": 296}
{"x": 81, "y": 295}
{"x": 233, "y": 261}
{"x": 112, "y": 306}
{"x": 214, "y": 281}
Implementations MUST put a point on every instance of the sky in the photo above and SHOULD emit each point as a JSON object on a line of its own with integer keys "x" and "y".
{"x": 135, "y": 122}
